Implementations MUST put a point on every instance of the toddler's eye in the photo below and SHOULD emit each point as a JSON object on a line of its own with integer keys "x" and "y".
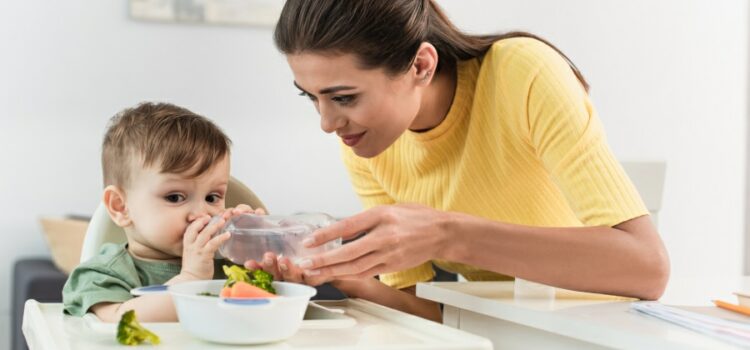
{"x": 174, "y": 198}
{"x": 213, "y": 198}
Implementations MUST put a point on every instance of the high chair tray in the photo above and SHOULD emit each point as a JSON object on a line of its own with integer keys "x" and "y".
{"x": 316, "y": 317}
{"x": 373, "y": 327}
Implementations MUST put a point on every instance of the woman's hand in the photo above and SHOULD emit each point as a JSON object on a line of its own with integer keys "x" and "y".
{"x": 283, "y": 269}
{"x": 397, "y": 237}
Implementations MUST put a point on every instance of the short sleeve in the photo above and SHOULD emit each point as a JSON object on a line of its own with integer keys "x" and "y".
{"x": 372, "y": 194}
{"x": 566, "y": 133}
{"x": 409, "y": 277}
{"x": 93, "y": 282}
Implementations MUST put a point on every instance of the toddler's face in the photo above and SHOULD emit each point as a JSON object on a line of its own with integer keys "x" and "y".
{"x": 162, "y": 205}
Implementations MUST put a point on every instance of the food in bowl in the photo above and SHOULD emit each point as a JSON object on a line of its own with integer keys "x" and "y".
{"x": 243, "y": 283}
{"x": 254, "y": 235}
{"x": 239, "y": 310}
{"x": 240, "y": 320}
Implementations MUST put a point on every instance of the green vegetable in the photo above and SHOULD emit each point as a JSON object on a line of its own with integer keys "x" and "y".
{"x": 130, "y": 332}
{"x": 258, "y": 278}
{"x": 263, "y": 280}
{"x": 234, "y": 274}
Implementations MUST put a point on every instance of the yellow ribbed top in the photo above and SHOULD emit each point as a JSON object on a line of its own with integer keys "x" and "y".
{"x": 521, "y": 144}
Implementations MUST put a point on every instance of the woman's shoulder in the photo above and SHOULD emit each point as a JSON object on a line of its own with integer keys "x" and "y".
{"x": 521, "y": 48}
{"x": 522, "y": 57}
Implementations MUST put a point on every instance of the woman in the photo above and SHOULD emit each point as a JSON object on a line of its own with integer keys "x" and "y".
{"x": 480, "y": 154}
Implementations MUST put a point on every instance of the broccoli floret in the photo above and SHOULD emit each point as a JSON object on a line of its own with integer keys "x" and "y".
{"x": 130, "y": 332}
{"x": 263, "y": 280}
{"x": 235, "y": 273}
{"x": 258, "y": 278}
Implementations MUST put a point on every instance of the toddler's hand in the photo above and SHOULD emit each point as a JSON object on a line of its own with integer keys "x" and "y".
{"x": 246, "y": 209}
{"x": 198, "y": 247}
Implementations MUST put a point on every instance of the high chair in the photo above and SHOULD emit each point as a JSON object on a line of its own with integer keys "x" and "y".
{"x": 102, "y": 229}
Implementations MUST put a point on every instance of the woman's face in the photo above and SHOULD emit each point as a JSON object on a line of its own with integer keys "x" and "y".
{"x": 367, "y": 108}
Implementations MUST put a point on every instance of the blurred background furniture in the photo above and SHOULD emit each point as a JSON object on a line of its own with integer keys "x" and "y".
{"x": 33, "y": 278}
{"x": 648, "y": 178}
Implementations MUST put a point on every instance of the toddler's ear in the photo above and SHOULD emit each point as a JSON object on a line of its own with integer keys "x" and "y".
{"x": 114, "y": 200}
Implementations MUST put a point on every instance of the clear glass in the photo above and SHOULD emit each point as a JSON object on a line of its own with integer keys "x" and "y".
{"x": 254, "y": 235}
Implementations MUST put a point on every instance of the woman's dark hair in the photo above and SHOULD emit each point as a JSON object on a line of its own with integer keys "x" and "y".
{"x": 383, "y": 33}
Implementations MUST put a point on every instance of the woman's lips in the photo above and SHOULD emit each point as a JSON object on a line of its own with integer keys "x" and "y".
{"x": 351, "y": 140}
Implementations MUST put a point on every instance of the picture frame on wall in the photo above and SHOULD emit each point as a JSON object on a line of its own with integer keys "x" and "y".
{"x": 261, "y": 13}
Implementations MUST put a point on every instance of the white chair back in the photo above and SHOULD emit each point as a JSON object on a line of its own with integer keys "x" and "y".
{"x": 102, "y": 229}
{"x": 648, "y": 178}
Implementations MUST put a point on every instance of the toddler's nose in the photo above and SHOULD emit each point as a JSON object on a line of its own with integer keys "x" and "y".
{"x": 197, "y": 212}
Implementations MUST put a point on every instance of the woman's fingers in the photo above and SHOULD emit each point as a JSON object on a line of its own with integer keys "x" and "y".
{"x": 346, "y": 228}
{"x": 252, "y": 265}
{"x": 374, "y": 271}
{"x": 355, "y": 267}
{"x": 268, "y": 264}
{"x": 289, "y": 271}
{"x": 345, "y": 253}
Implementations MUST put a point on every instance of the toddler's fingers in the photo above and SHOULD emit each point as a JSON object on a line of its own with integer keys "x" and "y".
{"x": 208, "y": 231}
{"x": 260, "y": 211}
{"x": 216, "y": 242}
{"x": 194, "y": 228}
{"x": 242, "y": 209}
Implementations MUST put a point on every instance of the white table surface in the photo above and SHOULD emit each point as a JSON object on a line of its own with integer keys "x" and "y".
{"x": 580, "y": 320}
{"x": 377, "y": 327}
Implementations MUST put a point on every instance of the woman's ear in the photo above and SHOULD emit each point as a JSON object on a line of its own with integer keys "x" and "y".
{"x": 114, "y": 200}
{"x": 425, "y": 63}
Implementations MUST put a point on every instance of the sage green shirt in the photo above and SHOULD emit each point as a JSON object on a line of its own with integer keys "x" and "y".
{"x": 109, "y": 277}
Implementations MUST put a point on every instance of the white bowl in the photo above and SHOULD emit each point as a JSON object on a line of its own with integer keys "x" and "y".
{"x": 254, "y": 235}
{"x": 240, "y": 321}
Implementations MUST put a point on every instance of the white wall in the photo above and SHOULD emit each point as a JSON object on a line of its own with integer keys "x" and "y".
{"x": 669, "y": 78}
{"x": 66, "y": 67}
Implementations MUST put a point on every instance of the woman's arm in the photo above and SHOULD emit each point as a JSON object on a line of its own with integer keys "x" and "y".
{"x": 628, "y": 259}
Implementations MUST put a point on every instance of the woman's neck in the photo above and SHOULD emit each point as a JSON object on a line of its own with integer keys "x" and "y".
{"x": 436, "y": 101}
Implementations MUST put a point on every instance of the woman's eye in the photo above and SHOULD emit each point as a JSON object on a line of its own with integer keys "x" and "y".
{"x": 174, "y": 198}
{"x": 311, "y": 97}
{"x": 213, "y": 198}
{"x": 343, "y": 99}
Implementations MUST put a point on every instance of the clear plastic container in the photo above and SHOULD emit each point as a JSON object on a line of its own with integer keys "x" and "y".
{"x": 254, "y": 235}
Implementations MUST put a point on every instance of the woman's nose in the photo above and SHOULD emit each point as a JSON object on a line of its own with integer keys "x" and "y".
{"x": 330, "y": 122}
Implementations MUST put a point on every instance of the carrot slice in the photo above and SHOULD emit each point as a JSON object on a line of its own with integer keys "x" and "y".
{"x": 246, "y": 290}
